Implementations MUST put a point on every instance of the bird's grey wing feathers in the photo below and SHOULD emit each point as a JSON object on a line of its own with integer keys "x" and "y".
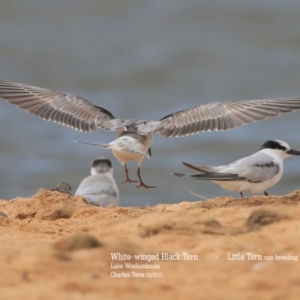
{"x": 80, "y": 114}
{"x": 62, "y": 108}
{"x": 97, "y": 185}
{"x": 261, "y": 173}
{"x": 257, "y": 167}
{"x": 218, "y": 116}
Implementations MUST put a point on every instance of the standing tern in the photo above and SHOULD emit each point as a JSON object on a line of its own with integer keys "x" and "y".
{"x": 255, "y": 173}
{"x": 135, "y": 136}
{"x": 100, "y": 188}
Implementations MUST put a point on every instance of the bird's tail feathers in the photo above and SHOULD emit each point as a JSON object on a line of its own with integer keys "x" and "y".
{"x": 217, "y": 177}
{"x": 104, "y": 146}
{"x": 113, "y": 146}
{"x": 211, "y": 176}
{"x": 179, "y": 174}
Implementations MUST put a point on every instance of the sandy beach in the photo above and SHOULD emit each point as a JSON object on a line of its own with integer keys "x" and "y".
{"x": 56, "y": 246}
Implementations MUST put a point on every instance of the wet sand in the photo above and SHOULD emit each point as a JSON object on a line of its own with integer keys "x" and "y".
{"x": 55, "y": 246}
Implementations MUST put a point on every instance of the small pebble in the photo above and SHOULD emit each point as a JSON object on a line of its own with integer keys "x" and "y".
{"x": 77, "y": 242}
{"x": 63, "y": 187}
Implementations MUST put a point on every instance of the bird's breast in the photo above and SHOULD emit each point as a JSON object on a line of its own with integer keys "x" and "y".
{"x": 124, "y": 157}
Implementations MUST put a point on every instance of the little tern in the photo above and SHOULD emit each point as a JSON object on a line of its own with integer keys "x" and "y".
{"x": 255, "y": 173}
{"x": 136, "y": 135}
{"x": 100, "y": 188}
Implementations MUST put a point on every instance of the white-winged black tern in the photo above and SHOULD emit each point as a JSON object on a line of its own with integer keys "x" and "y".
{"x": 135, "y": 136}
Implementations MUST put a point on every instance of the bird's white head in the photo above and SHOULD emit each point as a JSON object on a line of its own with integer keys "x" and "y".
{"x": 101, "y": 165}
{"x": 279, "y": 148}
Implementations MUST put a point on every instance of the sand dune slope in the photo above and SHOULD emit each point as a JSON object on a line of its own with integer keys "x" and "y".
{"x": 55, "y": 246}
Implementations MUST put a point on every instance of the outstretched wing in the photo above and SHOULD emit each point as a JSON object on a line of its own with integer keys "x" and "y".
{"x": 80, "y": 114}
{"x": 62, "y": 108}
{"x": 218, "y": 116}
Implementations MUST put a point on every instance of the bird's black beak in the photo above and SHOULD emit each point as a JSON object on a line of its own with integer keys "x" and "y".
{"x": 293, "y": 152}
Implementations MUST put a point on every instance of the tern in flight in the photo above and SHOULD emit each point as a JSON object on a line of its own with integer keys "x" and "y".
{"x": 135, "y": 136}
{"x": 255, "y": 173}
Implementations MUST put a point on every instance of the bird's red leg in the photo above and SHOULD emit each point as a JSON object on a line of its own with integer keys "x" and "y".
{"x": 142, "y": 184}
{"x": 128, "y": 180}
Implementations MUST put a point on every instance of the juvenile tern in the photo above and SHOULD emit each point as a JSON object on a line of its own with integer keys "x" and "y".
{"x": 80, "y": 114}
{"x": 255, "y": 173}
{"x": 100, "y": 188}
